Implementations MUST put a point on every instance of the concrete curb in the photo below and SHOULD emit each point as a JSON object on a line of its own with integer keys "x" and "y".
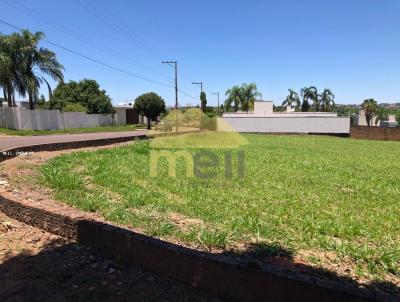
{"x": 220, "y": 275}
{"x": 10, "y": 153}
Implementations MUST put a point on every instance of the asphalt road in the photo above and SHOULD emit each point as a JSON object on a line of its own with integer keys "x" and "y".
{"x": 7, "y": 143}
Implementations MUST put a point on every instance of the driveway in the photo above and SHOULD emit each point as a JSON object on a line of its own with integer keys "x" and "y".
{"x": 17, "y": 142}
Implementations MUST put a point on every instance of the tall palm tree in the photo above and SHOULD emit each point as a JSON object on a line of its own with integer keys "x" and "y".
{"x": 8, "y": 70}
{"x": 309, "y": 93}
{"x": 234, "y": 96}
{"x": 249, "y": 96}
{"x": 369, "y": 106}
{"x": 292, "y": 99}
{"x": 381, "y": 115}
{"x": 242, "y": 97}
{"x": 327, "y": 100}
{"x": 36, "y": 63}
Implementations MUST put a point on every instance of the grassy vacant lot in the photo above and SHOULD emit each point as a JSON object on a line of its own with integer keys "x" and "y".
{"x": 310, "y": 195}
{"x": 67, "y": 131}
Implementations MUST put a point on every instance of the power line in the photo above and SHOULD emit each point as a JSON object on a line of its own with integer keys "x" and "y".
{"x": 92, "y": 59}
{"x": 99, "y": 62}
{"x": 199, "y": 83}
{"x": 78, "y": 35}
{"x": 122, "y": 28}
{"x": 63, "y": 28}
{"x": 98, "y": 13}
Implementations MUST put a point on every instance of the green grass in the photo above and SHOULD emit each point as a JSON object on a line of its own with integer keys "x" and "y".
{"x": 68, "y": 131}
{"x": 300, "y": 193}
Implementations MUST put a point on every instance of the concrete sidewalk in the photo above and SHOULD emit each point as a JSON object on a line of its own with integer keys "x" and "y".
{"x": 25, "y": 141}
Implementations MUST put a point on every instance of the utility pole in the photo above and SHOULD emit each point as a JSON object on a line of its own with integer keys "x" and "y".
{"x": 176, "y": 90}
{"x": 217, "y": 93}
{"x": 201, "y": 88}
{"x": 199, "y": 83}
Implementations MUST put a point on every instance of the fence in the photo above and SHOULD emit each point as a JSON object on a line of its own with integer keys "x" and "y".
{"x": 323, "y": 125}
{"x": 375, "y": 133}
{"x": 22, "y": 119}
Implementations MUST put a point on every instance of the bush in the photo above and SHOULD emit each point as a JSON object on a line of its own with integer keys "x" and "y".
{"x": 207, "y": 123}
{"x": 73, "y": 107}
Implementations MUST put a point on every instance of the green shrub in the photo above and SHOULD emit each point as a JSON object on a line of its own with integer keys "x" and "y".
{"x": 207, "y": 123}
{"x": 73, "y": 107}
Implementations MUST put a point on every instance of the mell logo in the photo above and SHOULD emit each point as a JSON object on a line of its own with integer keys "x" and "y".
{"x": 206, "y": 145}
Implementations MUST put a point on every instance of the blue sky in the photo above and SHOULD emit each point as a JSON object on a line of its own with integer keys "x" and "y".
{"x": 352, "y": 47}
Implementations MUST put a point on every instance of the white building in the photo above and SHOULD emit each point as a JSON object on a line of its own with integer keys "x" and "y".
{"x": 264, "y": 120}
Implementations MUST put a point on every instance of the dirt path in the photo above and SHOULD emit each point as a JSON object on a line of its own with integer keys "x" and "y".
{"x": 38, "y": 266}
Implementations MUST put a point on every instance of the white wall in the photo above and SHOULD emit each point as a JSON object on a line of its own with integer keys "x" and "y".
{"x": 120, "y": 116}
{"x": 22, "y": 119}
{"x": 288, "y": 124}
{"x": 263, "y": 108}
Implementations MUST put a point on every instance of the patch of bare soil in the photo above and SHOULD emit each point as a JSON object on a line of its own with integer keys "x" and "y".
{"x": 16, "y": 184}
{"x": 38, "y": 266}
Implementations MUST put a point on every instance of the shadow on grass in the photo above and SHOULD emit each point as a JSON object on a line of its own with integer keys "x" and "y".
{"x": 262, "y": 272}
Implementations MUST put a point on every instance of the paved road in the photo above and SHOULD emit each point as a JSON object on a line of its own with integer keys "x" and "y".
{"x": 16, "y": 142}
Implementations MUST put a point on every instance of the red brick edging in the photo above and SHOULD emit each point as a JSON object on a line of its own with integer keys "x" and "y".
{"x": 223, "y": 276}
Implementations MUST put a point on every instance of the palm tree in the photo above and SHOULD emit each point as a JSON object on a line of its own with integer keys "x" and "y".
{"x": 234, "y": 95}
{"x": 381, "y": 115}
{"x": 36, "y": 63}
{"x": 369, "y": 106}
{"x": 242, "y": 97}
{"x": 249, "y": 95}
{"x": 292, "y": 98}
{"x": 309, "y": 93}
{"x": 327, "y": 100}
{"x": 8, "y": 74}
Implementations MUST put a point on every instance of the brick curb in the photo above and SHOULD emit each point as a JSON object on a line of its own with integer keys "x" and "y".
{"x": 220, "y": 275}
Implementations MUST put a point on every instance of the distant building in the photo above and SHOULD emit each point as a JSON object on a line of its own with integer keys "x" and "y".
{"x": 266, "y": 109}
{"x": 361, "y": 120}
{"x": 20, "y": 104}
{"x": 264, "y": 120}
{"x": 125, "y": 114}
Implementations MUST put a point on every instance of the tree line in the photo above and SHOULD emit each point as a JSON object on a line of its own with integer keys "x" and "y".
{"x": 311, "y": 99}
{"x": 241, "y": 97}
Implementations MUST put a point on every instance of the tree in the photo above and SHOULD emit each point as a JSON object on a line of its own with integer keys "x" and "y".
{"x": 203, "y": 101}
{"x": 249, "y": 96}
{"x": 36, "y": 63}
{"x": 24, "y": 66}
{"x": 9, "y": 70}
{"x": 327, "y": 100}
{"x": 86, "y": 92}
{"x": 309, "y": 93}
{"x": 233, "y": 97}
{"x": 292, "y": 98}
{"x": 369, "y": 106}
{"x": 242, "y": 97}
{"x": 381, "y": 115}
{"x": 150, "y": 105}
{"x": 398, "y": 118}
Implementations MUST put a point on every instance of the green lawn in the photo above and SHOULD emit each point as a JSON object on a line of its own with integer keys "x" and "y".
{"x": 307, "y": 194}
{"x": 66, "y": 131}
